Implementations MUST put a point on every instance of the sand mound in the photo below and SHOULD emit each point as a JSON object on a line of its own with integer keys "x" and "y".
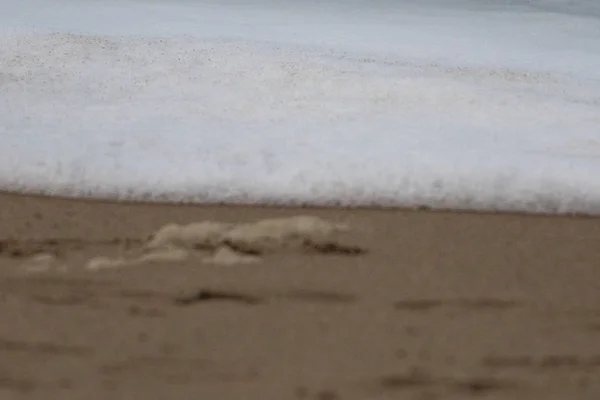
{"x": 229, "y": 243}
{"x": 254, "y": 238}
{"x": 226, "y": 256}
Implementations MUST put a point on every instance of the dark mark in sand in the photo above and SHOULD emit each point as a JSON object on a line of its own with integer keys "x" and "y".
{"x": 207, "y": 295}
{"x": 474, "y": 304}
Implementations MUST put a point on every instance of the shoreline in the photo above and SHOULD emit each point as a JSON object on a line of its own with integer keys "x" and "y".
{"x": 308, "y": 208}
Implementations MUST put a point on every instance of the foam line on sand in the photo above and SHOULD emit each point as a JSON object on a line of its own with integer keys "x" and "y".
{"x": 203, "y": 119}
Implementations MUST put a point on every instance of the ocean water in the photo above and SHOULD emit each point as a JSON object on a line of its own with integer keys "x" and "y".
{"x": 482, "y": 105}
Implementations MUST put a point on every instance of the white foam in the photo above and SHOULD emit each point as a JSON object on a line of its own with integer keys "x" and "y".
{"x": 344, "y": 104}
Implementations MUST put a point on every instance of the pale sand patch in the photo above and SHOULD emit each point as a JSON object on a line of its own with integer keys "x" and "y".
{"x": 161, "y": 255}
{"x": 256, "y": 237}
{"x": 230, "y": 243}
{"x": 272, "y": 234}
{"x": 196, "y": 235}
{"x": 40, "y": 263}
{"x": 98, "y": 263}
{"x": 167, "y": 254}
{"x": 226, "y": 256}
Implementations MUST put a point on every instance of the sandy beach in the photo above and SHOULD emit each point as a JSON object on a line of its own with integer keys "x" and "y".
{"x": 406, "y": 304}
{"x": 440, "y": 104}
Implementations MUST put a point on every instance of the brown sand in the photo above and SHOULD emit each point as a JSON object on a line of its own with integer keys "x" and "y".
{"x": 441, "y": 306}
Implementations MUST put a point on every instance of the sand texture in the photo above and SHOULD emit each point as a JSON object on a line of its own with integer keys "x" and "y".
{"x": 116, "y": 301}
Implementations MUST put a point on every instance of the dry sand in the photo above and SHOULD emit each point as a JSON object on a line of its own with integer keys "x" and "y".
{"x": 401, "y": 305}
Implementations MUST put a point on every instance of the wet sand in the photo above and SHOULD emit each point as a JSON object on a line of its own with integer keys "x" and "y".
{"x": 435, "y": 305}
